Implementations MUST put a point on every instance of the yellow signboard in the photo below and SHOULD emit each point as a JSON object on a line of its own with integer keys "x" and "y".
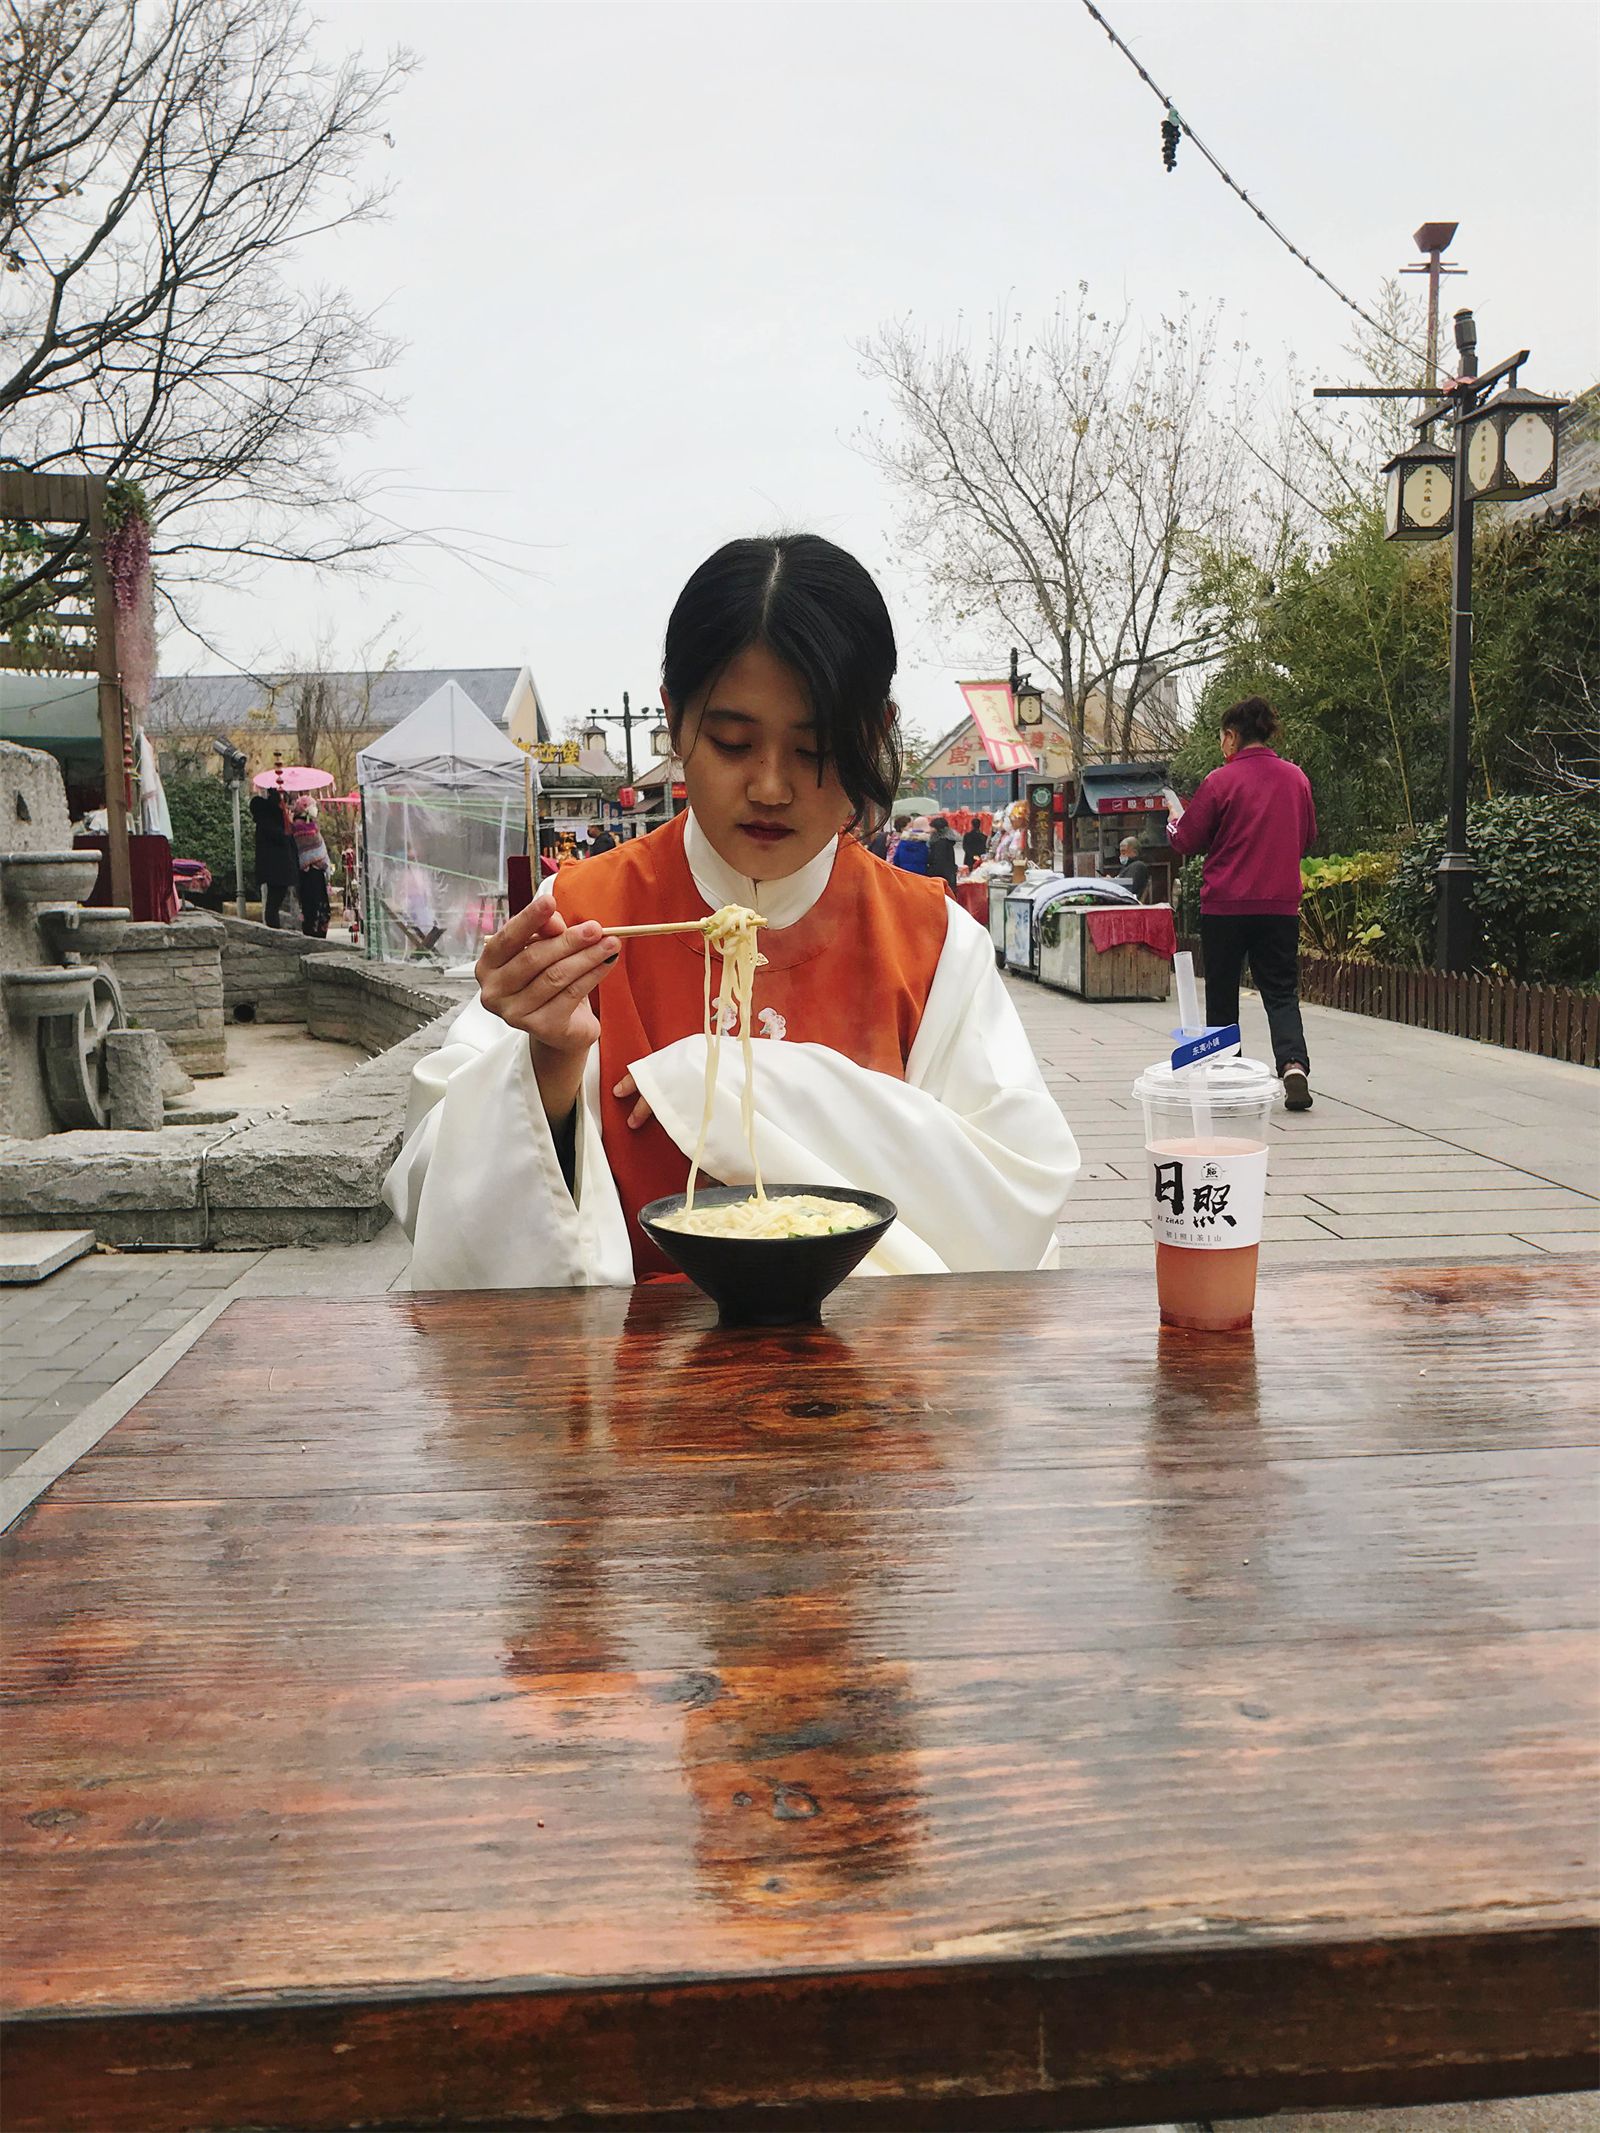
{"x": 563, "y": 752}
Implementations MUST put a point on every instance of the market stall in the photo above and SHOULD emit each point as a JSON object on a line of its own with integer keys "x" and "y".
{"x": 1096, "y": 940}
{"x": 1117, "y": 800}
{"x": 443, "y": 806}
{"x": 1021, "y": 935}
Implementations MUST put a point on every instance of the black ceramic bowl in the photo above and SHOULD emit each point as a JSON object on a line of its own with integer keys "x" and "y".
{"x": 772, "y": 1281}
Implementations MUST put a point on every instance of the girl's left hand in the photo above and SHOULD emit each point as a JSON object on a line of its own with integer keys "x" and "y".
{"x": 641, "y": 1114}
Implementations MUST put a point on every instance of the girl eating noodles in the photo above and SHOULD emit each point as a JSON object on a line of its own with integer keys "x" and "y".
{"x": 887, "y": 1055}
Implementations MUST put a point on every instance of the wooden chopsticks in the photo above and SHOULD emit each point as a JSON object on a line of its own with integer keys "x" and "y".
{"x": 682, "y": 925}
{"x": 632, "y": 933}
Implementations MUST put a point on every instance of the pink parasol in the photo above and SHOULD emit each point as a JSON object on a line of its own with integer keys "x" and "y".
{"x": 292, "y": 777}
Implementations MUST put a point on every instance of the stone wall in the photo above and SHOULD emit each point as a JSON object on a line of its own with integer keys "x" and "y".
{"x": 33, "y": 818}
{"x": 171, "y": 979}
{"x": 264, "y": 1177}
{"x": 316, "y": 1177}
{"x": 366, "y": 1004}
{"x": 261, "y": 970}
{"x": 313, "y": 1177}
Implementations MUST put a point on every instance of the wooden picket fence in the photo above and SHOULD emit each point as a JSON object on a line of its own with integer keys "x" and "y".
{"x": 1550, "y": 1020}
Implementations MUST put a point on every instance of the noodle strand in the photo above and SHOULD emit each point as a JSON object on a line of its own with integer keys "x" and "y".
{"x": 730, "y": 933}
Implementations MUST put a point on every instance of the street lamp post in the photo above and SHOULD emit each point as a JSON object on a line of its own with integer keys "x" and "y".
{"x": 1027, "y": 707}
{"x": 627, "y": 718}
{"x": 234, "y": 768}
{"x": 1504, "y": 448}
{"x": 1453, "y": 936}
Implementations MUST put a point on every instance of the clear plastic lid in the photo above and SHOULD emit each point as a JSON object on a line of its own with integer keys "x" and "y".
{"x": 1226, "y": 1083}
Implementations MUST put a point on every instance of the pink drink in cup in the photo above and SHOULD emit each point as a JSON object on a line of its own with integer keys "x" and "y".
{"x": 1205, "y": 1132}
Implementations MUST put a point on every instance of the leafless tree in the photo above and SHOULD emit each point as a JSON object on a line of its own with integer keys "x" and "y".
{"x": 331, "y": 707}
{"x": 1061, "y": 486}
{"x": 160, "y": 163}
{"x": 184, "y": 725}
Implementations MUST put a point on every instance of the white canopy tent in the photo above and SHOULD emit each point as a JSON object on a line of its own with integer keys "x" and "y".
{"x": 443, "y": 799}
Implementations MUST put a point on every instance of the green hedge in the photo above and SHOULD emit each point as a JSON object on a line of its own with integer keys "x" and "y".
{"x": 202, "y": 828}
{"x": 1536, "y": 892}
{"x": 1341, "y": 903}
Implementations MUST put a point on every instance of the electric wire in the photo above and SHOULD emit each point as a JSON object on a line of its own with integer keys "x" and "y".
{"x": 1235, "y": 187}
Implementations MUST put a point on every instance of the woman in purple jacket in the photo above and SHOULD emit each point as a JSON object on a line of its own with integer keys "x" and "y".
{"x": 1254, "y": 821}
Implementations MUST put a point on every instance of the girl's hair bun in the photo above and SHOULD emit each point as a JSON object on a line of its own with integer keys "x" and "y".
{"x": 1252, "y": 718}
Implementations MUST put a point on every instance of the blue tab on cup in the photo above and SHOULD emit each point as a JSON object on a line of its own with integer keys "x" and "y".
{"x": 1207, "y": 1045}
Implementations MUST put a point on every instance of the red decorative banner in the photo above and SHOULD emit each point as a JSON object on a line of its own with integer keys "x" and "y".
{"x": 995, "y": 716}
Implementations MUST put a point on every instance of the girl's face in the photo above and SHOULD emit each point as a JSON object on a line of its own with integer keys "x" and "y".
{"x": 750, "y": 764}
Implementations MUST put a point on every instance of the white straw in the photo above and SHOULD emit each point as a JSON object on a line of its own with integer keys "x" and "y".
{"x": 1189, "y": 1017}
{"x": 1188, "y": 998}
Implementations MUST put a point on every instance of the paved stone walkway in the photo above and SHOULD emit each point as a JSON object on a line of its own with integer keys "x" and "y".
{"x": 1417, "y": 1146}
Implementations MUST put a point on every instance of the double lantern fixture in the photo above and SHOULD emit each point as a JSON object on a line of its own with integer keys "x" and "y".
{"x": 1505, "y": 450}
{"x": 594, "y": 736}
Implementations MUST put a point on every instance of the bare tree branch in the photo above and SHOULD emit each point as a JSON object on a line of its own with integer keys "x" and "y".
{"x": 162, "y": 162}
{"x": 1062, "y": 484}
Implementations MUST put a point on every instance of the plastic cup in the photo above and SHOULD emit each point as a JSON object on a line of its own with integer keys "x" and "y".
{"x": 1205, "y": 1133}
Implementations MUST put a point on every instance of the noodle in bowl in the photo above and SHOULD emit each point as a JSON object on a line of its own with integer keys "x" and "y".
{"x": 771, "y": 1219}
{"x": 758, "y": 1265}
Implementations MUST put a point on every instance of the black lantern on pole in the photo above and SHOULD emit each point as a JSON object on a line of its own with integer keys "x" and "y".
{"x": 1030, "y": 705}
{"x": 660, "y": 743}
{"x": 1419, "y": 494}
{"x": 1511, "y": 446}
{"x": 594, "y": 734}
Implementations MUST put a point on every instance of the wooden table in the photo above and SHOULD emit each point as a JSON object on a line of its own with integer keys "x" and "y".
{"x": 983, "y": 1712}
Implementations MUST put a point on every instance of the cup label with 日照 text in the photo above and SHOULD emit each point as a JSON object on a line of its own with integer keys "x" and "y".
{"x": 1207, "y": 1202}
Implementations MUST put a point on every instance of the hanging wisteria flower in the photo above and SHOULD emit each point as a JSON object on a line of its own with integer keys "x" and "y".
{"x": 127, "y": 545}
{"x": 127, "y": 556}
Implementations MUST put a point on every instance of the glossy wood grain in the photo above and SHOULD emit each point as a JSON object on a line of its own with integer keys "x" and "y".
{"x": 981, "y": 1711}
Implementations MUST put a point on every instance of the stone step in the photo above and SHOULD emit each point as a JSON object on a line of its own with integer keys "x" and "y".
{"x": 28, "y": 1255}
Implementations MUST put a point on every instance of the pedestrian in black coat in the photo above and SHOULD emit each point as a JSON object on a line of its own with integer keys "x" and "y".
{"x": 277, "y": 859}
{"x": 942, "y": 851}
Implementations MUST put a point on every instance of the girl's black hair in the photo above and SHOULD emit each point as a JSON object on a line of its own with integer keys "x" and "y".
{"x": 818, "y": 612}
{"x": 1252, "y": 718}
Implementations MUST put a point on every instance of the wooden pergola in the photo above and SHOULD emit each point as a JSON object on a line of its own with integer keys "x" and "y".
{"x": 83, "y": 604}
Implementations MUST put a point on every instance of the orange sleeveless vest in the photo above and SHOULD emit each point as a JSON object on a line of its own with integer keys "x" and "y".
{"x": 853, "y": 974}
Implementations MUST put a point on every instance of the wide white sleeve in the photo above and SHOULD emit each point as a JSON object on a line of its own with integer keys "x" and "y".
{"x": 477, "y": 1184}
{"x": 971, "y": 1146}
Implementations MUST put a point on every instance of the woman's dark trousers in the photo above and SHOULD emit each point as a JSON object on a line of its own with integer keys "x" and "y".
{"x": 313, "y": 902}
{"x": 1270, "y": 943}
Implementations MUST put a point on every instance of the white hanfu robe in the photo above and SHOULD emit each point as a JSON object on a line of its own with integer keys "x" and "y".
{"x": 971, "y": 1146}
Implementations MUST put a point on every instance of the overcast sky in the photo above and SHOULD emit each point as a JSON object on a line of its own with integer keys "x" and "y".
{"x": 631, "y": 247}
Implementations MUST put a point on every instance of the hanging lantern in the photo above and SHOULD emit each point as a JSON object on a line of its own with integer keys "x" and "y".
{"x": 1030, "y": 705}
{"x": 1420, "y": 493}
{"x": 1511, "y": 446}
{"x": 627, "y": 797}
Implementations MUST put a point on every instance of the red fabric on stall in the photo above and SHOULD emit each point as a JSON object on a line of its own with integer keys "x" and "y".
{"x": 1148, "y": 926}
{"x": 973, "y": 896}
{"x": 150, "y": 874}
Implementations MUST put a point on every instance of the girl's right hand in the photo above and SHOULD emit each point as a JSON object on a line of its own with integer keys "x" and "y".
{"x": 536, "y": 974}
